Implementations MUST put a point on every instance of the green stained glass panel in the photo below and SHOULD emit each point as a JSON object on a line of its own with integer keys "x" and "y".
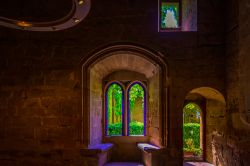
{"x": 169, "y": 15}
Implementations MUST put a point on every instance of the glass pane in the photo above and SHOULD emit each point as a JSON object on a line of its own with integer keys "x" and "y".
{"x": 169, "y": 15}
{"x": 192, "y": 123}
{"x": 136, "y": 110}
{"x": 114, "y": 110}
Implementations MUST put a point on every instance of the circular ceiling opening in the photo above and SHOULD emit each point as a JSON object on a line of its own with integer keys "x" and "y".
{"x": 43, "y": 15}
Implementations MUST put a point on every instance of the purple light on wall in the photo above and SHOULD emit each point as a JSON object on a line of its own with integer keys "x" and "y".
{"x": 189, "y": 15}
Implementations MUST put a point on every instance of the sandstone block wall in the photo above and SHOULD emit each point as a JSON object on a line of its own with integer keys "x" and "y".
{"x": 40, "y": 92}
{"x": 227, "y": 145}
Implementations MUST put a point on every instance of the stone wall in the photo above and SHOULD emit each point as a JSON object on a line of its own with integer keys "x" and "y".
{"x": 244, "y": 60}
{"x": 96, "y": 108}
{"x": 40, "y": 94}
{"x": 231, "y": 146}
{"x": 215, "y": 123}
{"x": 40, "y": 115}
{"x": 153, "y": 115}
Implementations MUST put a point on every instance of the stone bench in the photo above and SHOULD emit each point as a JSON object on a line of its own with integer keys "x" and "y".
{"x": 149, "y": 154}
{"x": 97, "y": 155}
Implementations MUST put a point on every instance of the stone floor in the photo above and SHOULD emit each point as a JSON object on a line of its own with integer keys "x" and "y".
{"x": 197, "y": 164}
{"x": 123, "y": 164}
{"x": 138, "y": 164}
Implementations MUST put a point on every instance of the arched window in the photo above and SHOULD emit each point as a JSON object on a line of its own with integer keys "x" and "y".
{"x": 136, "y": 109}
{"x": 130, "y": 121}
{"x": 114, "y": 110}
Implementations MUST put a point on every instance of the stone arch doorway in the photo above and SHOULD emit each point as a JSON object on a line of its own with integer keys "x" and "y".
{"x": 126, "y": 64}
{"x": 193, "y": 130}
{"x": 213, "y": 109}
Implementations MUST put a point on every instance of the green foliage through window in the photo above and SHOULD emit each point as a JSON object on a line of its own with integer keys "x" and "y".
{"x": 191, "y": 131}
{"x": 191, "y": 128}
{"x": 136, "y": 110}
{"x": 136, "y": 128}
{"x": 115, "y": 129}
{"x": 136, "y": 93}
{"x": 192, "y": 113}
{"x": 114, "y": 106}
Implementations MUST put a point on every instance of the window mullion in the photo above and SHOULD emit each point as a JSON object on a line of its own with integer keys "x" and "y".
{"x": 125, "y": 114}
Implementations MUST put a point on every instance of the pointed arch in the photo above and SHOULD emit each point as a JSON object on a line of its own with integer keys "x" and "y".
{"x": 90, "y": 66}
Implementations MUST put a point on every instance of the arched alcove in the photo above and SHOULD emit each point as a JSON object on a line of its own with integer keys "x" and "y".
{"x": 124, "y": 61}
{"x": 213, "y": 106}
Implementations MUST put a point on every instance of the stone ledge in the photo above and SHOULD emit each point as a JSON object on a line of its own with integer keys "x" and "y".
{"x": 148, "y": 147}
{"x": 102, "y": 147}
{"x": 96, "y": 149}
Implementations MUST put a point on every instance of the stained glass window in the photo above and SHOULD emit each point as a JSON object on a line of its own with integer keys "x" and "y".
{"x": 114, "y": 107}
{"x": 178, "y": 15}
{"x": 169, "y": 15}
{"x": 136, "y": 117}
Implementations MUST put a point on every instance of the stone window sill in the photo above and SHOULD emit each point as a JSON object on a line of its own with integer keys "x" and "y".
{"x": 149, "y": 148}
{"x": 96, "y": 149}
